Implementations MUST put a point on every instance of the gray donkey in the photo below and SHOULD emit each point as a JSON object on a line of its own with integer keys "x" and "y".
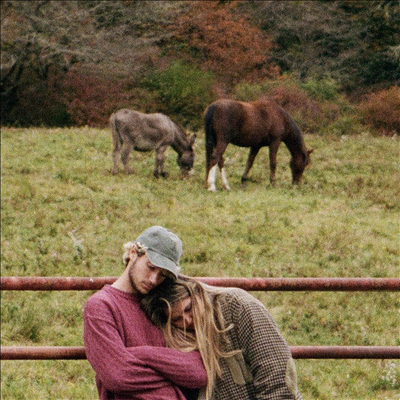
{"x": 133, "y": 130}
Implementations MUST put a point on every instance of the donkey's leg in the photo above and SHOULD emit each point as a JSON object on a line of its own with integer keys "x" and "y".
{"x": 159, "y": 163}
{"x": 127, "y": 148}
{"x": 250, "y": 160}
{"x": 273, "y": 150}
{"x": 115, "y": 157}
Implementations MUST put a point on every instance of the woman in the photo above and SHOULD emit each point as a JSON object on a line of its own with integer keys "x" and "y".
{"x": 244, "y": 354}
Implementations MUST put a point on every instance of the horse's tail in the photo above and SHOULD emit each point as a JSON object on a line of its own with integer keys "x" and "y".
{"x": 210, "y": 136}
{"x": 117, "y": 139}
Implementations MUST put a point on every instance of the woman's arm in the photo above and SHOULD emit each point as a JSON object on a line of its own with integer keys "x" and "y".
{"x": 264, "y": 348}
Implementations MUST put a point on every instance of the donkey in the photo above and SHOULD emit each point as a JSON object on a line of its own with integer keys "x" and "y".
{"x": 133, "y": 130}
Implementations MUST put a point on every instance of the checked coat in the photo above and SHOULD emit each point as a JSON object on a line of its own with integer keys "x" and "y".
{"x": 265, "y": 368}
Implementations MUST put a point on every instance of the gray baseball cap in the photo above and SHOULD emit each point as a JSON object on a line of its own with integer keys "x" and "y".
{"x": 164, "y": 248}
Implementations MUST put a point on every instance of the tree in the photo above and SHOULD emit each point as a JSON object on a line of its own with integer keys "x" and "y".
{"x": 43, "y": 40}
{"x": 355, "y": 42}
{"x": 223, "y": 41}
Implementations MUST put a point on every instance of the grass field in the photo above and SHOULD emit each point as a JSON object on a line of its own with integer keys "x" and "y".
{"x": 64, "y": 214}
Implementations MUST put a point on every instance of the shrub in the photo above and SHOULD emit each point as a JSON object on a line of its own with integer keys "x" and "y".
{"x": 321, "y": 89}
{"x": 182, "y": 91}
{"x": 223, "y": 41}
{"x": 381, "y": 111}
{"x": 91, "y": 99}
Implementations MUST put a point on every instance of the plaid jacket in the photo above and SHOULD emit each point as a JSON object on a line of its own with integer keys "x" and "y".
{"x": 265, "y": 368}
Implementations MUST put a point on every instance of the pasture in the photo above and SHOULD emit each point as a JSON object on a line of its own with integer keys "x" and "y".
{"x": 64, "y": 214}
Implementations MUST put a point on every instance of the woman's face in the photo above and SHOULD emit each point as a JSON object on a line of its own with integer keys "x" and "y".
{"x": 182, "y": 314}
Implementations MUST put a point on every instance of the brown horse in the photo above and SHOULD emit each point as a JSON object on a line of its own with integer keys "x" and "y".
{"x": 133, "y": 130}
{"x": 255, "y": 125}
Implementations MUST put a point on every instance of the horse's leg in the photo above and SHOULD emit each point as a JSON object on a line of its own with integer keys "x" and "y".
{"x": 215, "y": 159}
{"x": 211, "y": 179}
{"x": 250, "y": 160}
{"x": 224, "y": 180}
{"x": 127, "y": 147}
{"x": 159, "y": 163}
{"x": 273, "y": 150}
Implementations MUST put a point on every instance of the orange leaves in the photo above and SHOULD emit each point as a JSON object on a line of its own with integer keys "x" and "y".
{"x": 225, "y": 42}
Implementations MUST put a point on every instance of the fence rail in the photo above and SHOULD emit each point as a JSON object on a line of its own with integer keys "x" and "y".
{"x": 249, "y": 284}
{"x": 298, "y": 352}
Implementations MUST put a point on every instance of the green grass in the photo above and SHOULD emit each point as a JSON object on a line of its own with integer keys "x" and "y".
{"x": 64, "y": 214}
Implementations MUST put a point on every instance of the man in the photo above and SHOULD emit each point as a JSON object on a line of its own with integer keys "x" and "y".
{"x": 123, "y": 346}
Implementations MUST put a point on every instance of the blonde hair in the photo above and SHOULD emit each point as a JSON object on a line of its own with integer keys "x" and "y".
{"x": 139, "y": 248}
{"x": 210, "y": 336}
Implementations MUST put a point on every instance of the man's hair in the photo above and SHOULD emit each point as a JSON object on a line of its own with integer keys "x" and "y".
{"x": 140, "y": 251}
{"x": 210, "y": 337}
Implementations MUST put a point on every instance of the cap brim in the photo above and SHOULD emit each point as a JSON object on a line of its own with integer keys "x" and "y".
{"x": 162, "y": 262}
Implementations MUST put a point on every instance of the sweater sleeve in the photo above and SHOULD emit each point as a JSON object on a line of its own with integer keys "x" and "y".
{"x": 265, "y": 350}
{"x": 184, "y": 369}
{"x": 116, "y": 367}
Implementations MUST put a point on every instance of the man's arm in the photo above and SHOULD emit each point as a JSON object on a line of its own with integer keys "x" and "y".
{"x": 184, "y": 369}
{"x": 117, "y": 368}
{"x": 122, "y": 369}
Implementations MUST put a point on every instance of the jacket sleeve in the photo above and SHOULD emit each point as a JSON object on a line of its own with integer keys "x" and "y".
{"x": 116, "y": 367}
{"x": 265, "y": 350}
{"x": 184, "y": 369}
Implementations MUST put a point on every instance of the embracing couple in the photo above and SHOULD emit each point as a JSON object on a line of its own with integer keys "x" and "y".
{"x": 157, "y": 335}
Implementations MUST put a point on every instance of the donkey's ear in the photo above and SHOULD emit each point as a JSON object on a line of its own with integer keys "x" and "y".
{"x": 192, "y": 139}
{"x": 310, "y": 151}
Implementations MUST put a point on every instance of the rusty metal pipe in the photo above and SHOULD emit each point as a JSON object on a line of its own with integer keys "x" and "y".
{"x": 298, "y": 352}
{"x": 249, "y": 284}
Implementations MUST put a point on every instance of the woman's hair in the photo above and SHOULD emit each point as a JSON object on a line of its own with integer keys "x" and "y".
{"x": 210, "y": 336}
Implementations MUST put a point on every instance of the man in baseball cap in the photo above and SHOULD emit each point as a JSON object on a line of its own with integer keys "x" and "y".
{"x": 123, "y": 346}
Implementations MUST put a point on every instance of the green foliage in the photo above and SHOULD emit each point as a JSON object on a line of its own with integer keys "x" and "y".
{"x": 182, "y": 90}
{"x": 64, "y": 214}
{"x": 321, "y": 89}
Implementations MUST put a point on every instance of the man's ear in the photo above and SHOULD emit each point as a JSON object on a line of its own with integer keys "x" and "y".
{"x": 132, "y": 254}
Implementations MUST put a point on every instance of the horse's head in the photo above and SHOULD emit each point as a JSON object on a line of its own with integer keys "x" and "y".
{"x": 298, "y": 163}
{"x": 186, "y": 159}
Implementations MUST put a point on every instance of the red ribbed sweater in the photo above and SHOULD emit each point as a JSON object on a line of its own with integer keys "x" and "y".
{"x": 128, "y": 352}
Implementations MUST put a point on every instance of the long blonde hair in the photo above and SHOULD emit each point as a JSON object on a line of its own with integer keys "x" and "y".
{"x": 210, "y": 337}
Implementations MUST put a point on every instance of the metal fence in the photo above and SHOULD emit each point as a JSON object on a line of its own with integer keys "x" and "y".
{"x": 250, "y": 284}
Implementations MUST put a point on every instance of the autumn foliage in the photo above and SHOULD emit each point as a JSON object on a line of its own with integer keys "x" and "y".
{"x": 91, "y": 99}
{"x": 381, "y": 110}
{"x": 224, "y": 42}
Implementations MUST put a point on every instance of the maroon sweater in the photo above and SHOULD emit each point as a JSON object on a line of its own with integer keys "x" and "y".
{"x": 128, "y": 352}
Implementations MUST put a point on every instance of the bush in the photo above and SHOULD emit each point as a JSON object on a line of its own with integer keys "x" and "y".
{"x": 91, "y": 99}
{"x": 321, "y": 89}
{"x": 381, "y": 111}
{"x": 182, "y": 91}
